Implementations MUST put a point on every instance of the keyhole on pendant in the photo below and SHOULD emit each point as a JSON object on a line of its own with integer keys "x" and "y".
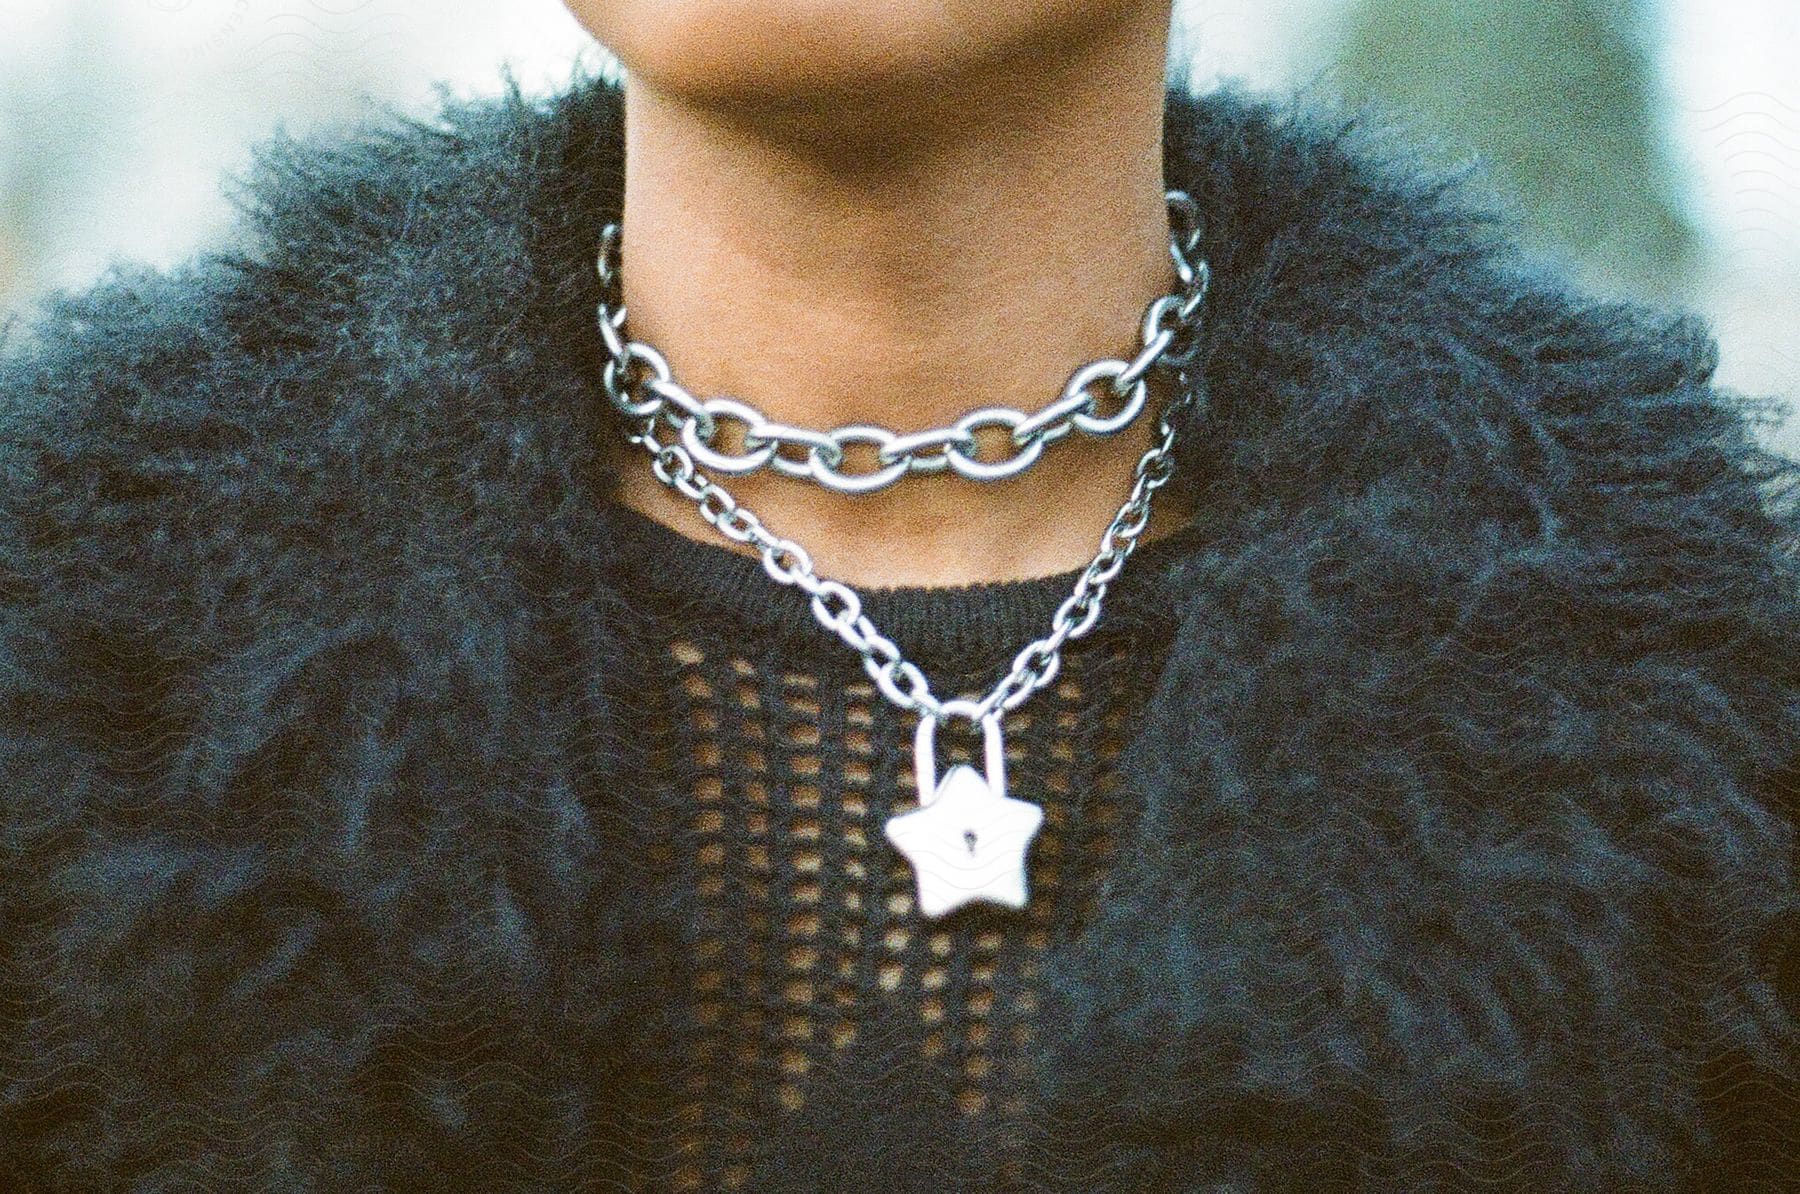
{"x": 969, "y": 841}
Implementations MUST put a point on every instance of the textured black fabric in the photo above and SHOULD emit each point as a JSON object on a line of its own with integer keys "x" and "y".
{"x": 355, "y": 809}
{"x": 812, "y": 974}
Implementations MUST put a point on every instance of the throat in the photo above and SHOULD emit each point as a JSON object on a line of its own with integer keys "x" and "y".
{"x": 904, "y": 298}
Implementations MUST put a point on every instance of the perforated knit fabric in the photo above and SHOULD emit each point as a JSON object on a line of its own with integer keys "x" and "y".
{"x": 787, "y": 761}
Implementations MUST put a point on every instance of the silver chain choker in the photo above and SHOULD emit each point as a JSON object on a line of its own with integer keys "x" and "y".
{"x": 967, "y": 839}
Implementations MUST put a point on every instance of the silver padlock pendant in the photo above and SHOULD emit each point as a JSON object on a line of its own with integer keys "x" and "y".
{"x": 967, "y": 840}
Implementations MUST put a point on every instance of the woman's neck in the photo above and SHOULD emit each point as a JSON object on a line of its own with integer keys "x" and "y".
{"x": 901, "y": 260}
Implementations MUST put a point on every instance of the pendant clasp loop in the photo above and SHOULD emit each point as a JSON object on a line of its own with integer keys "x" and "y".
{"x": 925, "y": 747}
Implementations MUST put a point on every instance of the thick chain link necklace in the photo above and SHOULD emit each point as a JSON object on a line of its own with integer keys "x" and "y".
{"x": 967, "y": 839}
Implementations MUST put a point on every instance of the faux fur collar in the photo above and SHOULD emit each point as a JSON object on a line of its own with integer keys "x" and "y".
{"x": 1471, "y": 771}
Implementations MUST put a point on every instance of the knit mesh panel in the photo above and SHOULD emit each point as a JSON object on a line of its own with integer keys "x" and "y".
{"x": 809, "y": 913}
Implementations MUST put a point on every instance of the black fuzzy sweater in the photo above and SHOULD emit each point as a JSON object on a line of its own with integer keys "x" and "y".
{"x": 385, "y": 809}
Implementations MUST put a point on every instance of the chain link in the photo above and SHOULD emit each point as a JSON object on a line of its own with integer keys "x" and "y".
{"x": 838, "y": 607}
{"x": 640, "y": 385}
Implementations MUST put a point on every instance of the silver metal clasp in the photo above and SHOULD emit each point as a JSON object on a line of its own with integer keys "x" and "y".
{"x": 967, "y": 840}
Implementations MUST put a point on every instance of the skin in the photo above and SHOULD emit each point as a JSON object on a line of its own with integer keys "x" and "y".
{"x": 894, "y": 213}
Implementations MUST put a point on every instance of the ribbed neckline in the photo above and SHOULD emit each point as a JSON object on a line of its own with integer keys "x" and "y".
{"x": 976, "y": 625}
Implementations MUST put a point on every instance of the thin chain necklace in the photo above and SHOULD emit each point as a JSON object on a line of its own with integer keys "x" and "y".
{"x": 967, "y": 839}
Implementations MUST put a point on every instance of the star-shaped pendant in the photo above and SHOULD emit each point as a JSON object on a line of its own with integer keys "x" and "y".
{"x": 968, "y": 841}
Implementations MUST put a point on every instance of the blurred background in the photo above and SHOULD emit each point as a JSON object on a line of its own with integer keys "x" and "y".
{"x": 1652, "y": 146}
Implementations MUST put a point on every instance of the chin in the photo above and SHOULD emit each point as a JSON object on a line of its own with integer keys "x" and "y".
{"x": 771, "y": 52}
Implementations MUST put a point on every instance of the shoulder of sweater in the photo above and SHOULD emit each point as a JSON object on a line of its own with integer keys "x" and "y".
{"x": 297, "y": 425}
